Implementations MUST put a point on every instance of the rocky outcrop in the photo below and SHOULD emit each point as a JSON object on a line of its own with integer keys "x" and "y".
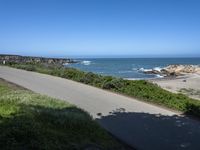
{"x": 28, "y": 59}
{"x": 175, "y": 70}
{"x": 181, "y": 69}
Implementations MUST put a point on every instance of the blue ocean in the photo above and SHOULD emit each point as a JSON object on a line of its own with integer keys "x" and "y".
{"x": 130, "y": 68}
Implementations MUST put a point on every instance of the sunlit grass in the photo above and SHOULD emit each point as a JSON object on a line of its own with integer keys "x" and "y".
{"x": 33, "y": 121}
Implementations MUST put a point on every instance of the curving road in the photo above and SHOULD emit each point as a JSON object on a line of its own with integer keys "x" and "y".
{"x": 141, "y": 125}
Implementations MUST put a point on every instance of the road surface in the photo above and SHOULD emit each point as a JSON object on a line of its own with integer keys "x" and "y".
{"x": 141, "y": 125}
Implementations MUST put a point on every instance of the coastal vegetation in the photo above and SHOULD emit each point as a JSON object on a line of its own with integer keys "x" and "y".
{"x": 32, "y": 121}
{"x": 140, "y": 89}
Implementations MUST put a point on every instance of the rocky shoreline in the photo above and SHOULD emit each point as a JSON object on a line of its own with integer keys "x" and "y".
{"x": 29, "y": 59}
{"x": 174, "y": 70}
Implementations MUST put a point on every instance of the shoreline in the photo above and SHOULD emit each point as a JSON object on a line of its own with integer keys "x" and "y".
{"x": 187, "y": 84}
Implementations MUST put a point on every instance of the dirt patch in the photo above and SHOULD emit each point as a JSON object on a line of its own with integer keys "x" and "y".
{"x": 190, "y": 92}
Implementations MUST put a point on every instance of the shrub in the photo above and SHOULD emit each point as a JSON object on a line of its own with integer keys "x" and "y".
{"x": 88, "y": 78}
{"x": 29, "y": 68}
{"x": 192, "y": 107}
{"x": 113, "y": 84}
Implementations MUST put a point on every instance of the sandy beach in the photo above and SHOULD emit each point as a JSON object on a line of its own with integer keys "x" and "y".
{"x": 188, "y": 84}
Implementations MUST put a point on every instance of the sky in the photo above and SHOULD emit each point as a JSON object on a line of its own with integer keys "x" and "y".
{"x": 100, "y": 28}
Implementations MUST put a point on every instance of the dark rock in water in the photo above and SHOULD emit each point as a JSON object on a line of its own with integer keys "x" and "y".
{"x": 29, "y": 59}
{"x": 152, "y": 72}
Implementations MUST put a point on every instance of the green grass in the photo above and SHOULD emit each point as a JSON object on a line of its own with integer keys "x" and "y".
{"x": 33, "y": 121}
{"x": 142, "y": 90}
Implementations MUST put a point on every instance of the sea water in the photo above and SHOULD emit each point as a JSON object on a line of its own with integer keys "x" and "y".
{"x": 130, "y": 68}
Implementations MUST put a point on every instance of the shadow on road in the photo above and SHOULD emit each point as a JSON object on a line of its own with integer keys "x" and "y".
{"x": 154, "y": 131}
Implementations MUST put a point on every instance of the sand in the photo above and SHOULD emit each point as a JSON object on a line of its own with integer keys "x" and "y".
{"x": 188, "y": 84}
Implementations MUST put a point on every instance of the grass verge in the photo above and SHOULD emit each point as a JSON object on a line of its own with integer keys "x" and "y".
{"x": 141, "y": 89}
{"x": 32, "y": 121}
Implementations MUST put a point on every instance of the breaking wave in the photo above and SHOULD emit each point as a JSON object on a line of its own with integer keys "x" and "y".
{"x": 157, "y": 69}
{"x": 148, "y": 70}
{"x": 159, "y": 76}
{"x": 86, "y": 62}
{"x": 144, "y": 70}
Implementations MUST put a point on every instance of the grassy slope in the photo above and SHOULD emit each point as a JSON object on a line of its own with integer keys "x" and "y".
{"x": 33, "y": 121}
{"x": 140, "y": 89}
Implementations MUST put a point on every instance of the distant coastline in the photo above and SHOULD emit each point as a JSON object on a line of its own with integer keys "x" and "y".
{"x": 7, "y": 58}
{"x": 127, "y": 68}
{"x": 182, "y": 78}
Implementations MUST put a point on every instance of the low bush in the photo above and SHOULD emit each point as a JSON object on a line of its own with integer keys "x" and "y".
{"x": 114, "y": 84}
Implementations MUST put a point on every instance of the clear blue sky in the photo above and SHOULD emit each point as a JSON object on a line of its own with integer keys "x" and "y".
{"x": 100, "y": 27}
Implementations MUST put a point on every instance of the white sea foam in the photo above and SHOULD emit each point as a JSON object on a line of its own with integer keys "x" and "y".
{"x": 65, "y": 64}
{"x": 159, "y": 76}
{"x": 86, "y": 62}
{"x": 148, "y": 70}
{"x": 157, "y": 69}
{"x": 134, "y": 78}
{"x": 144, "y": 70}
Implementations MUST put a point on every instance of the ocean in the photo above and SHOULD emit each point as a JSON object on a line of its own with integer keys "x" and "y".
{"x": 129, "y": 68}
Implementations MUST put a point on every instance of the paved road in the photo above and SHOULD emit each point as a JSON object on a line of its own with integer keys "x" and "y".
{"x": 141, "y": 125}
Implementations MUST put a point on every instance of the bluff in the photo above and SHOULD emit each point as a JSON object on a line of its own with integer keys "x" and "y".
{"x": 29, "y": 59}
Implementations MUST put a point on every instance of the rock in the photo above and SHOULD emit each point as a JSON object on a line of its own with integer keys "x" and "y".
{"x": 174, "y": 70}
{"x": 180, "y": 69}
{"x": 151, "y": 71}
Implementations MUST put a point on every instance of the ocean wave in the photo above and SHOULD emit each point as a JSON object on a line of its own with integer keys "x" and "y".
{"x": 144, "y": 70}
{"x": 157, "y": 69}
{"x": 86, "y": 62}
{"x": 66, "y": 64}
{"x": 159, "y": 76}
{"x": 149, "y": 70}
{"x": 134, "y": 69}
{"x": 100, "y": 72}
{"x": 134, "y": 78}
{"x": 127, "y": 71}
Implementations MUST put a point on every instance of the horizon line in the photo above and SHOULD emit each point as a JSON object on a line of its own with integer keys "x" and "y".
{"x": 107, "y": 56}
